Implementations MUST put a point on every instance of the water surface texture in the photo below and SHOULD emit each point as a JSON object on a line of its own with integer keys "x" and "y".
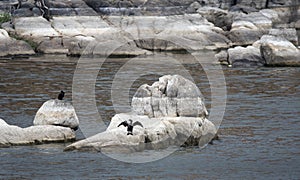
{"x": 259, "y": 135}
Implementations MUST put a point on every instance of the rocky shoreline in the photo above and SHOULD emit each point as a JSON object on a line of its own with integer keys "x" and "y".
{"x": 241, "y": 34}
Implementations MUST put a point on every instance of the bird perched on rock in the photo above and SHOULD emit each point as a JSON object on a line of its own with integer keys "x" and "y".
{"x": 130, "y": 125}
{"x": 61, "y": 95}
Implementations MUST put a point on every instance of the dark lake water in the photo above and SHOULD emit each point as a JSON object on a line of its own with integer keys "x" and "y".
{"x": 259, "y": 134}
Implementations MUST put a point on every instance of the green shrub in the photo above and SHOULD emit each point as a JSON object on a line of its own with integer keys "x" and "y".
{"x": 5, "y": 17}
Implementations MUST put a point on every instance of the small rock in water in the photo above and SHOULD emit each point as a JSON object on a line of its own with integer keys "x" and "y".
{"x": 57, "y": 112}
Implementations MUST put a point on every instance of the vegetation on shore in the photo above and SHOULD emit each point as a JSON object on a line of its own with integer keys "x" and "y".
{"x": 5, "y": 17}
{"x": 33, "y": 44}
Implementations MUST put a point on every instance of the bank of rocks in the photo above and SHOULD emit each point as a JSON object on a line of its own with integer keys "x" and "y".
{"x": 253, "y": 41}
{"x": 13, "y": 47}
{"x": 77, "y": 29}
{"x": 269, "y": 50}
{"x": 136, "y": 35}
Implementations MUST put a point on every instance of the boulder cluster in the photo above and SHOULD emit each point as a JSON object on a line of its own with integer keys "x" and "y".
{"x": 242, "y": 33}
{"x": 261, "y": 39}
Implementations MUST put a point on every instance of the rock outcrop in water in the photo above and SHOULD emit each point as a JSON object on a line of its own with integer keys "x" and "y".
{"x": 55, "y": 121}
{"x": 173, "y": 120}
{"x": 57, "y": 112}
{"x": 171, "y": 96}
{"x": 14, "y": 135}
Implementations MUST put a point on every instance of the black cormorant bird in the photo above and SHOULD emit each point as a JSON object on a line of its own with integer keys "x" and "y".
{"x": 130, "y": 125}
{"x": 61, "y": 95}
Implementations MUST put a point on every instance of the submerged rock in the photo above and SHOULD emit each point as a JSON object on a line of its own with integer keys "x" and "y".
{"x": 167, "y": 125}
{"x": 57, "y": 112}
{"x": 14, "y": 135}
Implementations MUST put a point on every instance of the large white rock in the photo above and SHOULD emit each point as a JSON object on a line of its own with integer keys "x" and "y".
{"x": 14, "y": 135}
{"x": 180, "y": 32}
{"x": 248, "y": 56}
{"x": 171, "y": 96}
{"x": 156, "y": 133}
{"x": 57, "y": 112}
{"x": 278, "y": 51}
{"x": 34, "y": 27}
{"x": 172, "y": 113}
{"x": 71, "y": 26}
{"x": 41, "y": 32}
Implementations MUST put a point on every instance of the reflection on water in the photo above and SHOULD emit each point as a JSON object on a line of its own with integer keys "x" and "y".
{"x": 259, "y": 133}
